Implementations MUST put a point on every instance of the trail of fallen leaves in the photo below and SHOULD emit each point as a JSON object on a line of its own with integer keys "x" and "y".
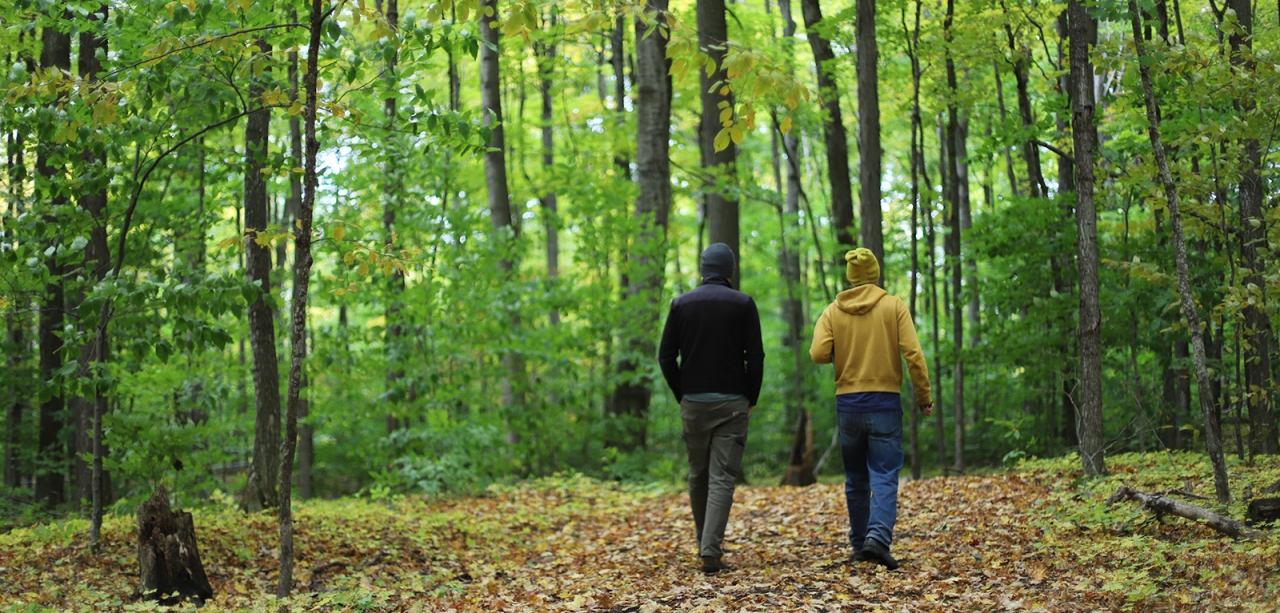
{"x": 987, "y": 543}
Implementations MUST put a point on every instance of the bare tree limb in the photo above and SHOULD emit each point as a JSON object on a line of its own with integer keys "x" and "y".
{"x": 1167, "y": 506}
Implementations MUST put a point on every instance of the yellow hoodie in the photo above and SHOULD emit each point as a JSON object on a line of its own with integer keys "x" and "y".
{"x": 862, "y": 332}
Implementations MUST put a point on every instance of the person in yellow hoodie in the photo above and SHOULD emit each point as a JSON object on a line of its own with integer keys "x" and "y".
{"x": 863, "y": 332}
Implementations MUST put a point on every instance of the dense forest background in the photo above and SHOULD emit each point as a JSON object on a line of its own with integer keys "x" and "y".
{"x": 507, "y": 195}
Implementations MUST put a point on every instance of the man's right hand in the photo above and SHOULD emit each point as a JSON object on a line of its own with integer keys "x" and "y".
{"x": 927, "y": 409}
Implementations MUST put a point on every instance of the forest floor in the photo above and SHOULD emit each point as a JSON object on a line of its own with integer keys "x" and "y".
{"x": 1033, "y": 539}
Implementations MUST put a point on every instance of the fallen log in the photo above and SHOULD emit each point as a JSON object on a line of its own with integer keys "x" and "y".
{"x": 168, "y": 559}
{"x": 1161, "y": 506}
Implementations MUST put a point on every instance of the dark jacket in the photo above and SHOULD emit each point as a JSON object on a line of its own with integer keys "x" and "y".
{"x": 714, "y": 330}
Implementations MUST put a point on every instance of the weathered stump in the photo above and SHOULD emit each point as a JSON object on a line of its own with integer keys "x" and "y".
{"x": 1263, "y": 510}
{"x": 167, "y": 554}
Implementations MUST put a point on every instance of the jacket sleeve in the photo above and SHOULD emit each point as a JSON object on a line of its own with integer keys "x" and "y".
{"x": 754, "y": 353}
{"x": 669, "y": 351}
{"x": 909, "y": 344}
{"x": 823, "y": 345}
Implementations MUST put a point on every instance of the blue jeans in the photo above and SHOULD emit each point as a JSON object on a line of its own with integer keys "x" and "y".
{"x": 871, "y": 447}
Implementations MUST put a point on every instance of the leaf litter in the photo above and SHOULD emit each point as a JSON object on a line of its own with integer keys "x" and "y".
{"x": 1030, "y": 540}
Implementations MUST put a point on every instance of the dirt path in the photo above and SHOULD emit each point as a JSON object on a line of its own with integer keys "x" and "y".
{"x": 572, "y": 544}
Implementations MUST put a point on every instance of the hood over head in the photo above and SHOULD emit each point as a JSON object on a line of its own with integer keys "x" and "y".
{"x": 718, "y": 261}
{"x": 860, "y": 300}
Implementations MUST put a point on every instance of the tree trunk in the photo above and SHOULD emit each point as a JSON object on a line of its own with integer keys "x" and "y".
{"x": 93, "y": 354}
{"x": 1008, "y": 157}
{"x": 550, "y": 214}
{"x": 306, "y": 448}
{"x": 392, "y": 186}
{"x": 301, "y": 288}
{"x": 917, "y": 169}
{"x": 1030, "y": 149}
{"x": 630, "y": 400}
{"x": 618, "y": 59}
{"x": 720, "y": 166}
{"x": 930, "y": 238}
{"x": 495, "y": 174}
{"x": 800, "y": 469}
{"x": 956, "y": 175}
{"x": 16, "y": 322}
{"x": 832, "y": 131}
{"x": 1258, "y": 334}
{"x": 1207, "y": 405}
{"x": 869, "y": 153}
{"x": 168, "y": 556}
{"x": 55, "y": 54}
{"x": 1083, "y": 31}
{"x": 17, "y": 406}
{"x": 260, "y": 491}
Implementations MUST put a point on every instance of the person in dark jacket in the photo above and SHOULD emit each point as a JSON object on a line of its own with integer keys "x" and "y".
{"x": 713, "y": 360}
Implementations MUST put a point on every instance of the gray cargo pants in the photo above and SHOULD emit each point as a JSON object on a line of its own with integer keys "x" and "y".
{"x": 715, "y": 435}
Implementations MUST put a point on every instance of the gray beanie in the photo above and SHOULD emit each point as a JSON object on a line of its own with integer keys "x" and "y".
{"x": 717, "y": 261}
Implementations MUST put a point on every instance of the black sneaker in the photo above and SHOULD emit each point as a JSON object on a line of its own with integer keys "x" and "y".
{"x": 712, "y": 565}
{"x": 873, "y": 551}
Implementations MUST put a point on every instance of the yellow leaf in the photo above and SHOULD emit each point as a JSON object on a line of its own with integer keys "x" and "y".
{"x": 721, "y": 141}
{"x": 736, "y": 134}
{"x": 363, "y": 269}
{"x": 786, "y": 124}
{"x": 339, "y": 231}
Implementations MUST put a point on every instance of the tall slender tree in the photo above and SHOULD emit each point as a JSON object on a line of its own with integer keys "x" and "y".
{"x": 1259, "y": 336}
{"x": 719, "y": 166}
{"x": 833, "y": 130}
{"x": 392, "y": 187}
{"x": 652, "y": 209}
{"x": 301, "y": 287}
{"x": 495, "y": 175}
{"x": 869, "y": 152}
{"x": 550, "y": 214}
{"x": 1085, "y": 140}
{"x": 55, "y": 55}
{"x": 957, "y": 174}
{"x": 93, "y": 354}
{"x": 260, "y": 491}
{"x": 800, "y": 467}
{"x": 1208, "y": 406}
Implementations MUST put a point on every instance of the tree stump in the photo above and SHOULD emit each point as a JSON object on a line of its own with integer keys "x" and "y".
{"x": 1263, "y": 510}
{"x": 167, "y": 554}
